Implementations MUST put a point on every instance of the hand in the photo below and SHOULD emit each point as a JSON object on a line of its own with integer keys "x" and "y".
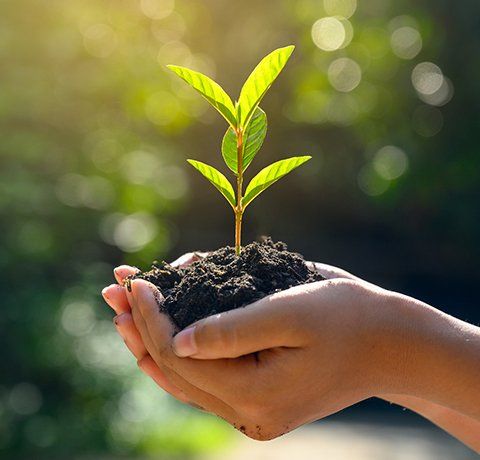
{"x": 207, "y": 342}
{"x": 318, "y": 356}
{"x": 115, "y": 296}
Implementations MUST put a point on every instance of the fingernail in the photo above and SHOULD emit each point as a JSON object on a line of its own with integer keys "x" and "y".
{"x": 184, "y": 343}
{"x": 104, "y": 293}
{"x": 107, "y": 296}
{"x": 120, "y": 273}
{"x": 105, "y": 290}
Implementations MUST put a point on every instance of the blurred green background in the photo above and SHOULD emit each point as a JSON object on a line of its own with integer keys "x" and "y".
{"x": 94, "y": 133}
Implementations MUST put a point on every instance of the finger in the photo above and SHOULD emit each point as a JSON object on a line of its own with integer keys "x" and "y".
{"x": 114, "y": 296}
{"x": 198, "y": 398}
{"x": 142, "y": 329}
{"x": 150, "y": 368}
{"x": 330, "y": 272}
{"x": 192, "y": 393}
{"x": 217, "y": 377}
{"x": 268, "y": 323}
{"x": 127, "y": 330}
{"x": 188, "y": 258}
{"x": 123, "y": 271}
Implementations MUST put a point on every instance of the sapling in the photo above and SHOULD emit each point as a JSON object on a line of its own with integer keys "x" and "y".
{"x": 245, "y": 134}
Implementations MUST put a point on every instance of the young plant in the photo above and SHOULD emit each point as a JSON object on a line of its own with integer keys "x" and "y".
{"x": 245, "y": 135}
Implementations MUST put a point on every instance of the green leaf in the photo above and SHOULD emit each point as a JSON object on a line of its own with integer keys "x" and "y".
{"x": 259, "y": 81}
{"x": 217, "y": 179}
{"x": 269, "y": 175}
{"x": 210, "y": 90}
{"x": 252, "y": 141}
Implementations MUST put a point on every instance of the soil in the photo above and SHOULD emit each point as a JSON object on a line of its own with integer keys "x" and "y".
{"x": 222, "y": 281}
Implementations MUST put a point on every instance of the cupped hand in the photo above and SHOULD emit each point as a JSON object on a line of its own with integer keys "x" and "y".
{"x": 285, "y": 360}
{"x": 115, "y": 296}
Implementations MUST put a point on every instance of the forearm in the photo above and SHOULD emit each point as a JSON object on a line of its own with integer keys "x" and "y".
{"x": 462, "y": 427}
{"x": 435, "y": 357}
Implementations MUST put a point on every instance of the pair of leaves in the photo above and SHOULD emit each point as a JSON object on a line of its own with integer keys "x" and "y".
{"x": 266, "y": 177}
{"x": 253, "y": 138}
{"x": 255, "y": 87}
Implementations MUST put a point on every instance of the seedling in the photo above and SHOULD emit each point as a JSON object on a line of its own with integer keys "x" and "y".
{"x": 245, "y": 134}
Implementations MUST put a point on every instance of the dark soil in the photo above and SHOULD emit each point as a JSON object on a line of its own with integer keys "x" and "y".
{"x": 223, "y": 281}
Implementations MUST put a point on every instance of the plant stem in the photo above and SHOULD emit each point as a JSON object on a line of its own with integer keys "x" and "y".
{"x": 239, "y": 208}
{"x": 238, "y": 232}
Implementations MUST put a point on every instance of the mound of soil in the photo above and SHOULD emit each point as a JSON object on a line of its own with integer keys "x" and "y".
{"x": 223, "y": 281}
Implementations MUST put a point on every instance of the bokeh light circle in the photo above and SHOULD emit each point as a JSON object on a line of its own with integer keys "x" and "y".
{"x": 440, "y": 97}
{"x": 427, "y": 121}
{"x": 328, "y": 33}
{"x": 78, "y": 318}
{"x": 157, "y": 9}
{"x": 25, "y": 398}
{"x": 344, "y": 74}
{"x": 162, "y": 108}
{"x": 427, "y": 78}
{"x": 371, "y": 183}
{"x": 390, "y": 162}
{"x": 406, "y": 42}
{"x": 134, "y": 231}
{"x": 100, "y": 40}
{"x": 41, "y": 430}
{"x": 345, "y": 8}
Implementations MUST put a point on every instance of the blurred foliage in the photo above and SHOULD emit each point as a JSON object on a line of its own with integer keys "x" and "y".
{"x": 94, "y": 134}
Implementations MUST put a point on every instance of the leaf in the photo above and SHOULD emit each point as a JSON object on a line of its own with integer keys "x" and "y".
{"x": 259, "y": 82}
{"x": 210, "y": 90}
{"x": 269, "y": 175}
{"x": 252, "y": 141}
{"x": 217, "y": 179}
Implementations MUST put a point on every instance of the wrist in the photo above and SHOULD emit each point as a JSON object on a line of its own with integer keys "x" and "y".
{"x": 428, "y": 354}
{"x": 389, "y": 334}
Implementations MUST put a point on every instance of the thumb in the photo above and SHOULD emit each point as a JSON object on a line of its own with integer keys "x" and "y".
{"x": 267, "y": 323}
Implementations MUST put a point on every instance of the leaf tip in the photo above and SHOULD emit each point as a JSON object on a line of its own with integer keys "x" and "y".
{"x": 176, "y": 69}
{"x": 288, "y": 50}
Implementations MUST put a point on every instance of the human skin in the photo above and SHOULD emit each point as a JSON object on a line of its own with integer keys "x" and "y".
{"x": 346, "y": 340}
